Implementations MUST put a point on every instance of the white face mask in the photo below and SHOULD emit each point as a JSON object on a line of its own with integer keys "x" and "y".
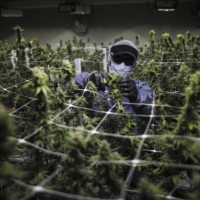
{"x": 121, "y": 70}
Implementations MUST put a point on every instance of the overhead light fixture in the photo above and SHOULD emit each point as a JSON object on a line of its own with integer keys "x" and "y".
{"x": 5, "y": 12}
{"x": 72, "y": 8}
{"x": 166, "y": 5}
{"x": 166, "y": 9}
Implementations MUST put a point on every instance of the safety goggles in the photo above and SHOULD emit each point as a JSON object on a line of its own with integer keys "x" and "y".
{"x": 127, "y": 61}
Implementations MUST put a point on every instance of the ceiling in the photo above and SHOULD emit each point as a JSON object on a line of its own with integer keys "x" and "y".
{"x": 32, "y": 4}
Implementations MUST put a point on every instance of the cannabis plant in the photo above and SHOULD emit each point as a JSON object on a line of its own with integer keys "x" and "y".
{"x": 54, "y": 145}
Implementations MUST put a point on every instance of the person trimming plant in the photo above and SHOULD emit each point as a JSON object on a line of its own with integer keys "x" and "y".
{"x": 122, "y": 60}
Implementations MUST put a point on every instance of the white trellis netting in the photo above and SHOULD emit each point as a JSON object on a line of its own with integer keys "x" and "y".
{"x": 27, "y": 108}
{"x": 133, "y": 163}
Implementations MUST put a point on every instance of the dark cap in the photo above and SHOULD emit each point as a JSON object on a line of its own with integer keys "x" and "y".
{"x": 124, "y": 47}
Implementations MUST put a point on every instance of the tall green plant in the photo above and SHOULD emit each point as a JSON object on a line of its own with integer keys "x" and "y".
{"x": 58, "y": 130}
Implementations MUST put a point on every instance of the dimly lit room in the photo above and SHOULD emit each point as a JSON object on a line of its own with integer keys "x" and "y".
{"x": 99, "y": 99}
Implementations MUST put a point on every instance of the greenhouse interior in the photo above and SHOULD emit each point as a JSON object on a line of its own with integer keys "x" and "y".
{"x": 100, "y": 100}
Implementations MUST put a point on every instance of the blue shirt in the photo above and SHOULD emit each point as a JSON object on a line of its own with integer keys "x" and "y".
{"x": 139, "y": 107}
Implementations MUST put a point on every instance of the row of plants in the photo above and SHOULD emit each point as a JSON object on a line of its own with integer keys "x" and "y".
{"x": 54, "y": 146}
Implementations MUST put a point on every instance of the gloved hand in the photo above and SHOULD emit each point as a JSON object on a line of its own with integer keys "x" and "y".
{"x": 98, "y": 79}
{"x": 128, "y": 88}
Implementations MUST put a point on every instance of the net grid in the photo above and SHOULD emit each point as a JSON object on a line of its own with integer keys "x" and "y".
{"x": 136, "y": 161}
{"x": 133, "y": 163}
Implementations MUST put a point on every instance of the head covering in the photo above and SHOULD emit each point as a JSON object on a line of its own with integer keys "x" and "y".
{"x": 124, "y": 47}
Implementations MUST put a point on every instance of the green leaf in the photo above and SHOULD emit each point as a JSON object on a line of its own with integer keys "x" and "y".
{"x": 38, "y": 90}
{"x": 27, "y": 85}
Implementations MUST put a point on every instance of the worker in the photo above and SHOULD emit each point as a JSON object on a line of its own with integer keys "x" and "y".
{"x": 122, "y": 59}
